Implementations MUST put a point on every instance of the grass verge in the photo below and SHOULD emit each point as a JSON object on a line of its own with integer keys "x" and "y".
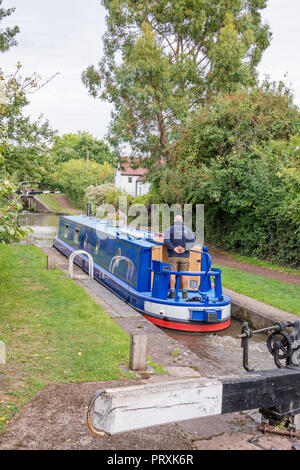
{"x": 279, "y": 294}
{"x": 264, "y": 264}
{"x": 53, "y": 331}
{"x": 53, "y": 204}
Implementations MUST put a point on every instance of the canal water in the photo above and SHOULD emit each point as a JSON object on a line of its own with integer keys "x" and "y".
{"x": 222, "y": 348}
{"x": 43, "y": 226}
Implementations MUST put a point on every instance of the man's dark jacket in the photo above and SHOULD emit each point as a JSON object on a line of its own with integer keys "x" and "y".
{"x": 179, "y": 235}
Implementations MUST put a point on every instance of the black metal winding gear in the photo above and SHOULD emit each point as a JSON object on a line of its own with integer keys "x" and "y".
{"x": 281, "y": 325}
{"x": 279, "y": 345}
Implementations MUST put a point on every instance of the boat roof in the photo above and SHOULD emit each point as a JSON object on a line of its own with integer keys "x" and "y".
{"x": 130, "y": 233}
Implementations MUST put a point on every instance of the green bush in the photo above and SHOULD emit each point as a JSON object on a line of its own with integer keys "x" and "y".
{"x": 96, "y": 195}
{"x": 75, "y": 176}
{"x": 108, "y": 194}
{"x": 105, "y": 194}
{"x": 239, "y": 157}
{"x": 10, "y": 206}
{"x": 81, "y": 146}
{"x": 113, "y": 197}
{"x": 145, "y": 200}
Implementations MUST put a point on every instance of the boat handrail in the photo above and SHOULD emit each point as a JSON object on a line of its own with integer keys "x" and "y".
{"x": 217, "y": 272}
{"x": 90, "y": 258}
{"x": 116, "y": 260}
{"x": 214, "y": 272}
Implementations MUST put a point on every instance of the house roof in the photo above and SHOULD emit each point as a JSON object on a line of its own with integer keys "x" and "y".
{"x": 126, "y": 164}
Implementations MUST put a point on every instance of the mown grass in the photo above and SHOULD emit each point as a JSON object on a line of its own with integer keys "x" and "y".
{"x": 265, "y": 264}
{"x": 53, "y": 204}
{"x": 279, "y": 294}
{"x": 53, "y": 331}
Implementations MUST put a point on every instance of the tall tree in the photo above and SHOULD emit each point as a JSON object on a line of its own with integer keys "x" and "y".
{"x": 23, "y": 150}
{"x": 81, "y": 146}
{"x": 7, "y": 35}
{"x": 24, "y": 144}
{"x": 240, "y": 156}
{"x": 9, "y": 200}
{"x": 7, "y": 39}
{"x": 162, "y": 58}
{"x": 74, "y": 176}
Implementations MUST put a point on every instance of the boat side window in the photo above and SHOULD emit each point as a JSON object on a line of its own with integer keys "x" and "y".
{"x": 76, "y": 238}
{"x": 66, "y": 231}
{"x": 97, "y": 247}
{"x": 85, "y": 240}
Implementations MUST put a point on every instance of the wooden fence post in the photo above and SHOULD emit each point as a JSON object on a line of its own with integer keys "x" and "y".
{"x": 138, "y": 351}
{"x": 2, "y": 353}
{"x": 50, "y": 262}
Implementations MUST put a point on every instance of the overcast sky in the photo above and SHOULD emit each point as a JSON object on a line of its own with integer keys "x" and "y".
{"x": 65, "y": 36}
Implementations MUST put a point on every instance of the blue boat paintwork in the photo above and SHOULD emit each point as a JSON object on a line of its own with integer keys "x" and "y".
{"x": 123, "y": 263}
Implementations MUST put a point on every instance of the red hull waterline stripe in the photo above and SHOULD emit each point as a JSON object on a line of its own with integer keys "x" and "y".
{"x": 188, "y": 327}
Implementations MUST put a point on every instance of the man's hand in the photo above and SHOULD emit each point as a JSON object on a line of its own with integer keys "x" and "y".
{"x": 179, "y": 249}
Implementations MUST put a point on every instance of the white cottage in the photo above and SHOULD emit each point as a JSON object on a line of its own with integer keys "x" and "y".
{"x": 129, "y": 179}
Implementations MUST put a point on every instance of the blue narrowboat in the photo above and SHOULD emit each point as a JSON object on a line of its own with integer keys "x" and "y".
{"x": 132, "y": 263}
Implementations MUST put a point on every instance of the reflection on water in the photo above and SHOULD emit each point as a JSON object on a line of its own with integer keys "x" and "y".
{"x": 44, "y": 226}
{"x": 223, "y": 349}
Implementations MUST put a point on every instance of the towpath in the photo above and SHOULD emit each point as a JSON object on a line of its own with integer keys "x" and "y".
{"x": 65, "y": 203}
{"x": 222, "y": 258}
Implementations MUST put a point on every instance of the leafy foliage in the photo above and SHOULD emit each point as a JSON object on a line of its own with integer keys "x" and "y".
{"x": 239, "y": 157}
{"x": 24, "y": 144}
{"x": 75, "y": 176}
{"x": 96, "y": 195}
{"x": 10, "y": 232}
{"x": 108, "y": 194}
{"x": 81, "y": 146}
{"x": 162, "y": 58}
{"x": 13, "y": 129}
{"x": 7, "y": 35}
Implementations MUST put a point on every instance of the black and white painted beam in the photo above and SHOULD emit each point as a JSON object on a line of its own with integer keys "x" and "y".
{"x": 36, "y": 193}
{"x": 130, "y": 408}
